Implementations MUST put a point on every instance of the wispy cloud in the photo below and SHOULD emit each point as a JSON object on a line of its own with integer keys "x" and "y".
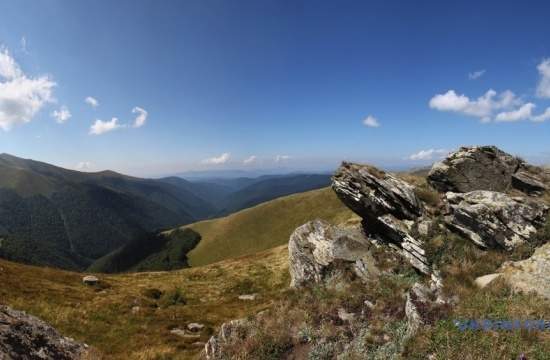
{"x": 250, "y": 160}
{"x": 222, "y": 159}
{"x": 428, "y": 154}
{"x": 61, "y": 115}
{"x": 543, "y": 88}
{"x": 93, "y": 102}
{"x": 545, "y": 116}
{"x": 101, "y": 127}
{"x": 139, "y": 121}
{"x": 281, "y": 158}
{"x": 84, "y": 166}
{"x": 476, "y": 74}
{"x": 23, "y": 45}
{"x": 21, "y": 96}
{"x": 371, "y": 121}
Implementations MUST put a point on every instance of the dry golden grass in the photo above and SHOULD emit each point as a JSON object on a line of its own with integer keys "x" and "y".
{"x": 264, "y": 226}
{"x": 103, "y": 317}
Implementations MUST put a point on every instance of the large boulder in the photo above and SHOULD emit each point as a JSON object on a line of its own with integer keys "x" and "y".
{"x": 474, "y": 168}
{"x": 371, "y": 192}
{"x": 319, "y": 252}
{"x": 23, "y": 336}
{"x": 492, "y": 219}
{"x": 526, "y": 276}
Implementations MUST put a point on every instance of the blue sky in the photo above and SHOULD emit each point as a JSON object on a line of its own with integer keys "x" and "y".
{"x": 286, "y": 84}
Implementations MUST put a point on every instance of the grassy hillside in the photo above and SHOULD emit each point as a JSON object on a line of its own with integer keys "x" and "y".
{"x": 130, "y": 316}
{"x": 263, "y": 226}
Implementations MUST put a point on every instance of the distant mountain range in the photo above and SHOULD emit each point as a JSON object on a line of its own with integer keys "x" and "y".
{"x": 69, "y": 219}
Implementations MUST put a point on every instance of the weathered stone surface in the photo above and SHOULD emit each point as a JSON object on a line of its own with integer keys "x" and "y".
{"x": 319, "y": 251}
{"x": 530, "y": 275}
{"x": 391, "y": 229}
{"x": 23, "y": 336}
{"x": 492, "y": 219}
{"x": 372, "y": 193}
{"x": 474, "y": 168}
{"x": 229, "y": 333}
{"x": 528, "y": 182}
{"x": 482, "y": 281}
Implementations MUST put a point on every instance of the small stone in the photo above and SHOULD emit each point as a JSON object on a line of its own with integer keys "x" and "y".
{"x": 485, "y": 280}
{"x": 90, "y": 280}
{"x": 250, "y": 297}
{"x": 195, "y": 327}
{"x": 135, "y": 309}
{"x": 369, "y": 304}
{"x": 346, "y": 316}
{"x": 178, "y": 332}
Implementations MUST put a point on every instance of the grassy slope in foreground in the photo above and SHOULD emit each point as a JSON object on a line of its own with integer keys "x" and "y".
{"x": 264, "y": 226}
{"x": 103, "y": 317}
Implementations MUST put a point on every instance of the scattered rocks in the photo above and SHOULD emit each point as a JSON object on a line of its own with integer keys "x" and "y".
{"x": 90, "y": 280}
{"x": 319, "y": 251}
{"x": 492, "y": 219}
{"x": 248, "y": 297}
{"x": 23, "y": 336}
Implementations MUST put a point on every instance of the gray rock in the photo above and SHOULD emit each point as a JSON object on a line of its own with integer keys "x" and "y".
{"x": 482, "y": 281}
{"x": 229, "y": 333}
{"x": 90, "y": 280}
{"x": 528, "y": 183}
{"x": 491, "y": 219}
{"x": 319, "y": 252}
{"x": 474, "y": 168}
{"x": 23, "y": 336}
{"x": 418, "y": 298}
{"x": 372, "y": 193}
{"x": 248, "y": 297}
{"x": 391, "y": 229}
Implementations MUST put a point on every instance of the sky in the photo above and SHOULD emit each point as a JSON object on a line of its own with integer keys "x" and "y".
{"x": 153, "y": 88}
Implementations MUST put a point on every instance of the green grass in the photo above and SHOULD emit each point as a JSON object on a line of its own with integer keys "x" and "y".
{"x": 264, "y": 226}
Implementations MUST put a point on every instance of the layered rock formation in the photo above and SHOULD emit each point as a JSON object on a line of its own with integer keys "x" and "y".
{"x": 23, "y": 336}
{"x": 484, "y": 168}
{"x": 388, "y": 205}
{"x": 492, "y": 219}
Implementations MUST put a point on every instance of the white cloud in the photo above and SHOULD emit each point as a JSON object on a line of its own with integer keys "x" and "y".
{"x": 542, "y": 117}
{"x": 21, "y": 97}
{"x": 250, "y": 160}
{"x": 371, "y": 121}
{"x": 141, "y": 118}
{"x": 543, "y": 89}
{"x": 476, "y": 74}
{"x": 222, "y": 159}
{"x": 428, "y": 154}
{"x": 483, "y": 107}
{"x": 523, "y": 113}
{"x": 281, "y": 158}
{"x": 84, "y": 165}
{"x": 91, "y": 101}
{"x": 61, "y": 115}
{"x": 101, "y": 127}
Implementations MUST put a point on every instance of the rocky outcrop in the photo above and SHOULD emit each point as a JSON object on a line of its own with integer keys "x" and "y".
{"x": 491, "y": 219}
{"x": 485, "y": 168}
{"x": 372, "y": 193}
{"x": 23, "y": 336}
{"x": 474, "y": 168}
{"x": 319, "y": 252}
{"x": 388, "y": 205}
